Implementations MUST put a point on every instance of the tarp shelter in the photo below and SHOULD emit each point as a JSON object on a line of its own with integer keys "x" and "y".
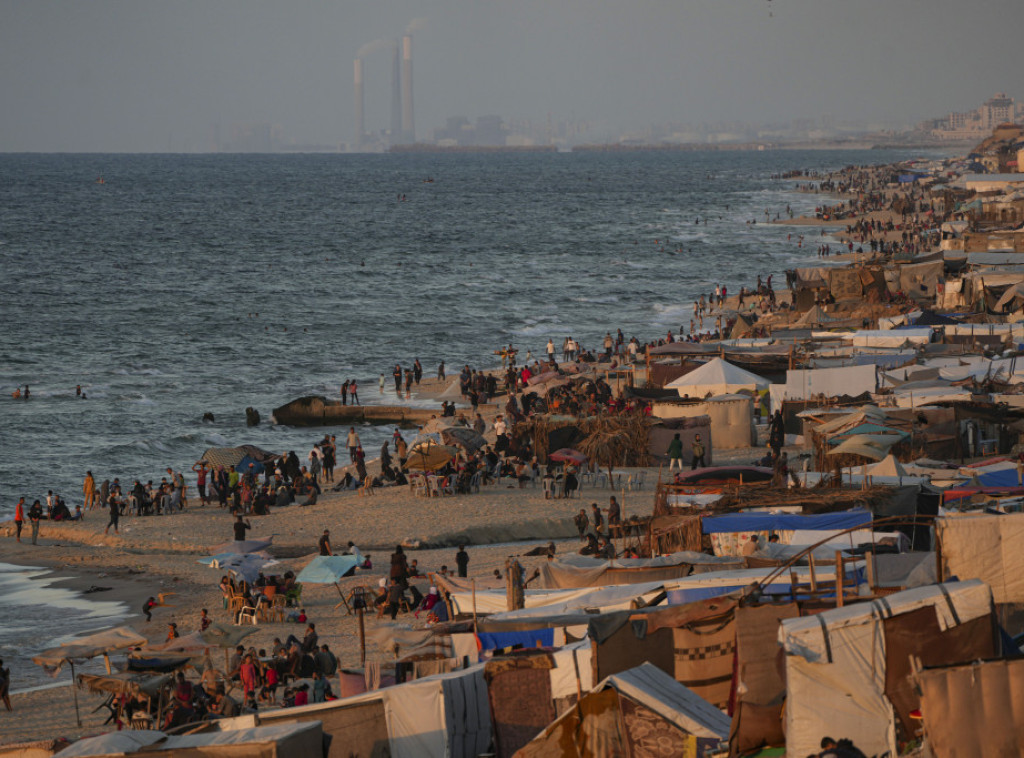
{"x": 986, "y": 547}
{"x": 804, "y": 384}
{"x": 717, "y": 377}
{"x": 445, "y": 715}
{"x": 888, "y": 466}
{"x": 873, "y": 446}
{"x": 729, "y": 532}
{"x": 836, "y": 665}
{"x": 730, "y": 417}
{"x": 573, "y": 571}
{"x": 278, "y": 741}
{"x": 974, "y": 709}
{"x": 638, "y": 712}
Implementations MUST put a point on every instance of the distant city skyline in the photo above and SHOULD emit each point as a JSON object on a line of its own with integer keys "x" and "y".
{"x": 177, "y": 76}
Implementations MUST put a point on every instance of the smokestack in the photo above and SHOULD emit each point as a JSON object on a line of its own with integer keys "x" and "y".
{"x": 408, "y": 127}
{"x": 360, "y": 118}
{"x": 396, "y": 97}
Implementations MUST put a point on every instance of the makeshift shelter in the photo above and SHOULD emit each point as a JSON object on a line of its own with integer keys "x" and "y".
{"x": 973, "y": 709}
{"x": 638, "y": 712}
{"x": 873, "y": 446}
{"x": 987, "y": 547}
{"x": 838, "y": 662}
{"x": 888, "y": 466}
{"x": 278, "y": 741}
{"x": 730, "y": 532}
{"x": 572, "y": 571}
{"x": 433, "y": 717}
{"x": 717, "y": 377}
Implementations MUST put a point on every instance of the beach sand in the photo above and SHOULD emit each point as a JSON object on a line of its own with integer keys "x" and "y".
{"x": 159, "y": 554}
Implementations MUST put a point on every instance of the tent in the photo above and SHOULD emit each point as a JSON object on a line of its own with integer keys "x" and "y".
{"x": 986, "y": 695}
{"x": 584, "y": 571}
{"x": 888, "y": 466}
{"x": 638, "y": 712}
{"x": 278, "y": 741}
{"x": 233, "y": 456}
{"x": 433, "y": 717}
{"x": 717, "y": 377}
{"x": 837, "y": 662}
{"x": 987, "y": 547}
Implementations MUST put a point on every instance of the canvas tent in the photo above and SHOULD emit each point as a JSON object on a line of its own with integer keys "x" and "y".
{"x": 986, "y": 547}
{"x": 279, "y": 741}
{"x": 433, "y": 717}
{"x": 837, "y": 663}
{"x": 988, "y": 696}
{"x": 638, "y": 712}
{"x": 717, "y": 377}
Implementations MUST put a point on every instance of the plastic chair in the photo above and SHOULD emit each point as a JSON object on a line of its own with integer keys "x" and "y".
{"x": 248, "y": 613}
{"x": 433, "y": 488}
{"x": 474, "y": 483}
{"x": 638, "y": 481}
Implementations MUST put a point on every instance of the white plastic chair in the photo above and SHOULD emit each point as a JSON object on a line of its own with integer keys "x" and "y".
{"x": 248, "y": 613}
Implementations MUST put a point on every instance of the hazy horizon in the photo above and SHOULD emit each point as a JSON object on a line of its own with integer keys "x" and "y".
{"x": 123, "y": 76}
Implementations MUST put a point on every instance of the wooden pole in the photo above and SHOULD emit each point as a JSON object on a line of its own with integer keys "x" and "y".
{"x": 74, "y": 690}
{"x": 362, "y": 634}
{"x": 840, "y": 578}
{"x": 474, "y": 606}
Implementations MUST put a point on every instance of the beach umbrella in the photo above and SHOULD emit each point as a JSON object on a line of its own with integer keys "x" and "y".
{"x": 86, "y": 648}
{"x": 607, "y": 447}
{"x": 429, "y": 456}
{"x": 568, "y": 455}
{"x": 437, "y": 425}
{"x": 464, "y": 437}
{"x": 225, "y": 636}
{"x": 329, "y": 569}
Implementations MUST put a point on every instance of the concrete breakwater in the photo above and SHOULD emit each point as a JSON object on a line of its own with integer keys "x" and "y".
{"x": 316, "y": 410}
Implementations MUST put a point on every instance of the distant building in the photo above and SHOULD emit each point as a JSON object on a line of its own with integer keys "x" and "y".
{"x": 976, "y": 124}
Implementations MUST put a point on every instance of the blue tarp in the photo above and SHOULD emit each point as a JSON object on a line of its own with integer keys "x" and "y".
{"x": 494, "y": 640}
{"x": 693, "y": 594}
{"x": 243, "y": 465}
{"x": 327, "y": 569}
{"x": 777, "y": 522}
{"x": 1004, "y": 478}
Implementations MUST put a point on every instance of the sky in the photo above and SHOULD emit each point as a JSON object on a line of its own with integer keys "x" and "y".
{"x": 158, "y": 75}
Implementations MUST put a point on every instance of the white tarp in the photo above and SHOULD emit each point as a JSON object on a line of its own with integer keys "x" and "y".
{"x": 804, "y": 384}
{"x": 835, "y": 665}
{"x": 563, "y": 675}
{"x": 288, "y": 741}
{"x": 986, "y": 547}
{"x": 556, "y": 602}
{"x": 920, "y": 335}
{"x": 716, "y": 377}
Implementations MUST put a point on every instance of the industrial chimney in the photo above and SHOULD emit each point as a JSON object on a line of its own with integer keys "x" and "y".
{"x": 408, "y": 127}
{"x": 360, "y": 118}
{"x": 396, "y": 97}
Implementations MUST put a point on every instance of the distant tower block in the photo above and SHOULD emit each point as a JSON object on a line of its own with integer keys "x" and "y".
{"x": 396, "y": 96}
{"x": 360, "y": 117}
{"x": 408, "y": 126}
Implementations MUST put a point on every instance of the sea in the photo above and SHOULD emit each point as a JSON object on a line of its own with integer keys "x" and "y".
{"x": 172, "y": 286}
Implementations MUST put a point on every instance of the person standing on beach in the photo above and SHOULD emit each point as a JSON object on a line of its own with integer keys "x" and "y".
{"x": 353, "y": 390}
{"x": 353, "y": 443}
{"x": 408, "y": 382}
{"x": 440, "y": 371}
{"x": 240, "y": 527}
{"x": 200, "y": 468}
{"x": 380, "y": 384}
{"x": 417, "y": 371}
{"x": 89, "y": 490}
{"x": 462, "y": 561}
{"x": 697, "y": 450}
{"x": 19, "y": 518}
{"x": 35, "y": 513}
{"x": 344, "y": 393}
{"x": 5, "y": 686}
{"x": 325, "y": 543}
{"x": 397, "y": 376}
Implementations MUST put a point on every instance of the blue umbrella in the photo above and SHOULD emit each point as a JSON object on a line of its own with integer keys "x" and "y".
{"x": 329, "y": 569}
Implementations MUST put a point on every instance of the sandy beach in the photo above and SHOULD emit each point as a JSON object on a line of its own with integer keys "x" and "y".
{"x": 159, "y": 554}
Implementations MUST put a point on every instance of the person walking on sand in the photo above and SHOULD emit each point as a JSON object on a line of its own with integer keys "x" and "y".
{"x": 675, "y": 453}
{"x": 115, "y": 514}
{"x": 462, "y": 561}
{"x": 19, "y": 518}
{"x": 89, "y": 490}
{"x": 35, "y": 513}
